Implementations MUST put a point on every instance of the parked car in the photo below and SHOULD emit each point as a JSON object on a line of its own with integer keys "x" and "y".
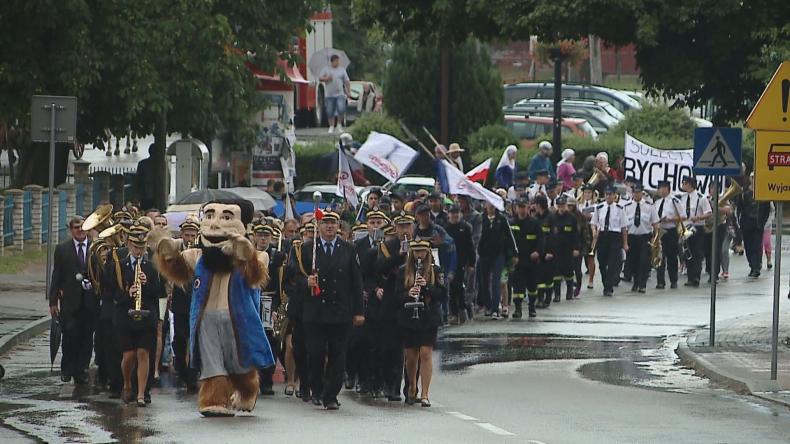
{"x": 530, "y": 129}
{"x": 354, "y": 108}
{"x": 328, "y": 192}
{"x": 603, "y": 116}
{"x": 545, "y": 90}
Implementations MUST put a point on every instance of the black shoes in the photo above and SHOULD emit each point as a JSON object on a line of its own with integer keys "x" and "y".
{"x": 316, "y": 400}
{"x": 634, "y": 288}
{"x": 534, "y": 314}
{"x": 267, "y": 390}
{"x": 673, "y": 285}
{"x": 692, "y": 284}
{"x": 517, "y": 313}
{"x": 661, "y": 286}
{"x": 642, "y": 290}
{"x": 332, "y": 405}
{"x": 754, "y": 274}
{"x": 81, "y": 378}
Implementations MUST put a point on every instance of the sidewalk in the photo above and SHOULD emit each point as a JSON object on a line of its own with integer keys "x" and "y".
{"x": 741, "y": 358}
{"x": 23, "y": 311}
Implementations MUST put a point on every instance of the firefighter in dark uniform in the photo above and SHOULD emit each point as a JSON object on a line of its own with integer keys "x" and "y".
{"x": 566, "y": 243}
{"x": 642, "y": 217}
{"x": 611, "y": 228}
{"x": 530, "y": 242}
{"x": 548, "y": 265}
{"x": 752, "y": 217}
{"x": 669, "y": 210}
{"x": 391, "y": 256}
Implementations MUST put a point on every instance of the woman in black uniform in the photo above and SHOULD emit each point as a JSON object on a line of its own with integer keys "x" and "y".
{"x": 420, "y": 281}
{"x": 136, "y": 331}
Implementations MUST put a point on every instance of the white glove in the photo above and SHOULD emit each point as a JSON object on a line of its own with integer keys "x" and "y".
{"x": 86, "y": 284}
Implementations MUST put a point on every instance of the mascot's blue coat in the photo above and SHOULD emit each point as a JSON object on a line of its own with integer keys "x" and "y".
{"x": 253, "y": 346}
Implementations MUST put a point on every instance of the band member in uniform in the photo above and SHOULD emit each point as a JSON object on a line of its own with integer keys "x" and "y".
{"x": 334, "y": 304}
{"x": 136, "y": 330}
{"x": 419, "y": 282}
{"x": 642, "y": 218}
{"x": 697, "y": 210}
{"x": 461, "y": 232}
{"x": 669, "y": 210}
{"x": 181, "y": 300}
{"x": 566, "y": 242}
{"x": 585, "y": 236}
{"x": 262, "y": 239}
{"x": 391, "y": 256}
{"x": 70, "y": 300}
{"x": 530, "y": 242}
{"x": 539, "y": 186}
{"x": 611, "y": 227}
{"x": 295, "y": 282}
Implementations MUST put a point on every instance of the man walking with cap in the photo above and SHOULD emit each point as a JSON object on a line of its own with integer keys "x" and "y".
{"x": 668, "y": 210}
{"x": 697, "y": 210}
{"x": 611, "y": 225}
{"x": 642, "y": 217}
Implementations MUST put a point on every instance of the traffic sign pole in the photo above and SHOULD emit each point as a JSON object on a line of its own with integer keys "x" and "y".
{"x": 714, "y": 265}
{"x": 52, "y": 111}
{"x": 777, "y": 284}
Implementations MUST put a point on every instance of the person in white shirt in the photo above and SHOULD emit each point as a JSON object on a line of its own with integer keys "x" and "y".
{"x": 697, "y": 209}
{"x": 642, "y": 218}
{"x": 610, "y": 227}
{"x": 337, "y": 87}
{"x": 669, "y": 210}
{"x": 540, "y": 184}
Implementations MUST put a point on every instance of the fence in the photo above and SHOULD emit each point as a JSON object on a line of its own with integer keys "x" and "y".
{"x": 44, "y": 217}
{"x": 27, "y": 215}
{"x": 63, "y": 216}
{"x": 8, "y": 222}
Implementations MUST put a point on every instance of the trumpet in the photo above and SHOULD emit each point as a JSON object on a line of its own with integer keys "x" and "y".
{"x": 137, "y": 313}
{"x": 417, "y": 305}
{"x": 656, "y": 249}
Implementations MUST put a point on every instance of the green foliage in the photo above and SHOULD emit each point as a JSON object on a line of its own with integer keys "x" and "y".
{"x": 490, "y": 137}
{"x": 378, "y": 122}
{"x": 310, "y": 167}
{"x": 366, "y": 46}
{"x": 412, "y": 88}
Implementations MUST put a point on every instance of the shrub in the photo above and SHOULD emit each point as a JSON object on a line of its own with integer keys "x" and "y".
{"x": 490, "y": 137}
{"x": 309, "y": 166}
{"x": 379, "y": 122}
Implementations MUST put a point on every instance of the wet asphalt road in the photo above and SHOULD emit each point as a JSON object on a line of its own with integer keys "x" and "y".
{"x": 594, "y": 370}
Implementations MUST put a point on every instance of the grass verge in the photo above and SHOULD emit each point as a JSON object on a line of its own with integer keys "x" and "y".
{"x": 14, "y": 262}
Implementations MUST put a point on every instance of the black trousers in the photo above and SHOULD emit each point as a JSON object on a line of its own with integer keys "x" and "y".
{"x": 180, "y": 341}
{"x": 638, "y": 261}
{"x": 374, "y": 359}
{"x": 111, "y": 355}
{"x": 696, "y": 244}
{"x": 326, "y": 357}
{"x": 357, "y": 356}
{"x": 391, "y": 355}
{"x": 299, "y": 344}
{"x": 77, "y": 344}
{"x": 457, "y": 291}
{"x": 267, "y": 374}
{"x": 669, "y": 246}
{"x": 610, "y": 261}
{"x": 753, "y": 244}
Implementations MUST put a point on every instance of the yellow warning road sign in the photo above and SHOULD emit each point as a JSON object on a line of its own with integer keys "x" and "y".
{"x": 772, "y": 165}
{"x": 771, "y": 111}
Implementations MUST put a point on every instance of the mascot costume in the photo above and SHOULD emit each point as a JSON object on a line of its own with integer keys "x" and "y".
{"x": 227, "y": 343}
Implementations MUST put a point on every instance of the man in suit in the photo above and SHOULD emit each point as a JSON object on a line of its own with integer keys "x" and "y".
{"x": 69, "y": 299}
{"x": 334, "y": 303}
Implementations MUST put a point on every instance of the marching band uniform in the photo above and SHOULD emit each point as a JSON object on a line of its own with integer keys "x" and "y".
{"x": 295, "y": 283}
{"x": 641, "y": 216}
{"x": 696, "y": 206}
{"x": 668, "y": 209}
{"x": 270, "y": 301}
{"x": 612, "y": 226}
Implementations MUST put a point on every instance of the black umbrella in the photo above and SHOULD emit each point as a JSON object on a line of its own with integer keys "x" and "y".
{"x": 203, "y": 196}
{"x": 55, "y": 333}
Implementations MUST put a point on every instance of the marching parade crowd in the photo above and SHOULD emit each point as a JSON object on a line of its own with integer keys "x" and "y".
{"x": 354, "y": 299}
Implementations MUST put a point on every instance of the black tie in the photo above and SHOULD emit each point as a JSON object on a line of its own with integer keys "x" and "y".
{"x": 688, "y": 206}
{"x": 606, "y": 220}
{"x": 328, "y": 249}
{"x": 661, "y": 208}
{"x": 81, "y": 254}
{"x": 637, "y": 215}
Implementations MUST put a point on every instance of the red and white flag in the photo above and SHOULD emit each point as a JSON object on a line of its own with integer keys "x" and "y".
{"x": 458, "y": 183}
{"x": 480, "y": 172}
{"x": 345, "y": 181}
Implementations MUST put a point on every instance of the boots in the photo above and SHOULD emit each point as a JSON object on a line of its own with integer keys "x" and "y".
{"x": 569, "y": 293}
{"x": 531, "y": 306}
{"x": 557, "y": 291}
{"x": 517, "y": 313}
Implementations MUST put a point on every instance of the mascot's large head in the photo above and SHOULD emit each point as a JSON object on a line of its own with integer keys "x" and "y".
{"x": 223, "y": 219}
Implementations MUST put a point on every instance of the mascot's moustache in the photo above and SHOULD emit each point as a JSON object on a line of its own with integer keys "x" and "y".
{"x": 216, "y": 261}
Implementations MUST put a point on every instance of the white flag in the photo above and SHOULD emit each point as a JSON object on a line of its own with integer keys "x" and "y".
{"x": 345, "y": 182}
{"x": 458, "y": 183}
{"x": 386, "y": 155}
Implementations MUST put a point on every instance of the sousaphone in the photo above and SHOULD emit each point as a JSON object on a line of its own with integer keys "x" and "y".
{"x": 100, "y": 219}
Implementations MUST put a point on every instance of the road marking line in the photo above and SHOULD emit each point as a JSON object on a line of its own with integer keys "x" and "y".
{"x": 532, "y": 441}
{"x": 463, "y": 417}
{"x": 494, "y": 429}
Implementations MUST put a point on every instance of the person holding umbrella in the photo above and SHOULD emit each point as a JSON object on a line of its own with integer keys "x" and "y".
{"x": 337, "y": 87}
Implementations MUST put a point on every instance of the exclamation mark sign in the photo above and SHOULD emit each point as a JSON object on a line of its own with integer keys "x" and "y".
{"x": 785, "y": 97}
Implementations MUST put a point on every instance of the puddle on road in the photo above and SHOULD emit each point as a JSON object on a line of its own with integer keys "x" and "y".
{"x": 649, "y": 363}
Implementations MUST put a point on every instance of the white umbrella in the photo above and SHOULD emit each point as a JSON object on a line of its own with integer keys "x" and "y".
{"x": 320, "y": 60}
{"x": 261, "y": 200}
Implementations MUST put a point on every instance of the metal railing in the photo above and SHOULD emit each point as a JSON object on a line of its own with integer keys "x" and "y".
{"x": 79, "y": 198}
{"x": 62, "y": 216}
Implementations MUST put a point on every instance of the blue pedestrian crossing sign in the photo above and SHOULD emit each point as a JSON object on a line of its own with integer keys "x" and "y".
{"x": 717, "y": 151}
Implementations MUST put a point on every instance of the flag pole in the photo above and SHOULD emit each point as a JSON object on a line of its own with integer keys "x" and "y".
{"x": 414, "y": 138}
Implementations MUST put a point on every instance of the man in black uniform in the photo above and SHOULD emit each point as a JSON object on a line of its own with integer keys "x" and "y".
{"x": 364, "y": 360}
{"x": 333, "y": 306}
{"x": 461, "y": 232}
{"x": 270, "y": 300}
{"x": 530, "y": 243}
{"x": 548, "y": 263}
{"x": 295, "y": 282}
{"x": 391, "y": 256}
{"x": 566, "y": 240}
{"x": 182, "y": 299}
{"x": 752, "y": 216}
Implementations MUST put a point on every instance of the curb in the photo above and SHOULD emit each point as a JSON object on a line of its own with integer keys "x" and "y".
{"x": 712, "y": 372}
{"x": 34, "y": 328}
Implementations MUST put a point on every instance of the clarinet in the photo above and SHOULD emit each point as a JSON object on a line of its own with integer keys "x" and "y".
{"x": 417, "y": 305}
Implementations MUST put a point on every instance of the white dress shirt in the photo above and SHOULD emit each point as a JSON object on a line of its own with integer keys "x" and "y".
{"x": 617, "y": 218}
{"x": 698, "y": 206}
{"x": 648, "y": 217}
{"x": 668, "y": 210}
{"x": 536, "y": 189}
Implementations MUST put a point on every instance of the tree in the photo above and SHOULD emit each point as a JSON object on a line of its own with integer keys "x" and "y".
{"x": 366, "y": 46}
{"x": 475, "y": 92}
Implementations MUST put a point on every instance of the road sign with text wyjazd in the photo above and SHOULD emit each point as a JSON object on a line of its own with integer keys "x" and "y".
{"x": 717, "y": 151}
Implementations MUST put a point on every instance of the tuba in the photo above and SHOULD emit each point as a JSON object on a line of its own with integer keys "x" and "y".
{"x": 656, "y": 250}
{"x": 596, "y": 177}
{"x": 100, "y": 219}
{"x": 733, "y": 190}
{"x": 684, "y": 233}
